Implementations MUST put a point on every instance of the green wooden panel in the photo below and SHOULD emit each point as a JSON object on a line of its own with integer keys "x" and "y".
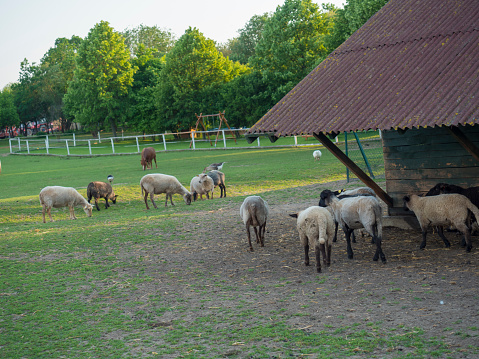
{"x": 451, "y": 175}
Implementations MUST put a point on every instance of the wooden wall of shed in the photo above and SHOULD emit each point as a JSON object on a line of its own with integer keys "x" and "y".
{"x": 418, "y": 159}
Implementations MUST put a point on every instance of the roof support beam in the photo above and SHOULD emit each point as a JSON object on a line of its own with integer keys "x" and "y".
{"x": 468, "y": 145}
{"x": 340, "y": 155}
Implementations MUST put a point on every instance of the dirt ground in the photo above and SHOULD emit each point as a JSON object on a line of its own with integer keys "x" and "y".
{"x": 435, "y": 289}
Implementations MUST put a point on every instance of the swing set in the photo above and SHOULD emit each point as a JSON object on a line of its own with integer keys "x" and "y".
{"x": 222, "y": 118}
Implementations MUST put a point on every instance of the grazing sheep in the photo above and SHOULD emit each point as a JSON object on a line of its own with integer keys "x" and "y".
{"x": 355, "y": 213}
{"x": 201, "y": 184}
{"x": 443, "y": 210}
{"x": 317, "y": 155}
{"x": 218, "y": 180}
{"x": 148, "y": 154}
{"x": 99, "y": 190}
{"x": 254, "y": 211}
{"x": 110, "y": 178}
{"x": 316, "y": 228}
{"x": 157, "y": 183}
{"x": 58, "y": 196}
{"x": 214, "y": 166}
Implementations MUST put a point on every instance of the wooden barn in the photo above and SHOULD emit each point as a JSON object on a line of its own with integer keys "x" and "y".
{"x": 412, "y": 71}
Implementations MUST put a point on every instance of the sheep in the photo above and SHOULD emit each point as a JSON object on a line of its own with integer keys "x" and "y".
{"x": 316, "y": 228}
{"x": 354, "y": 213}
{"x": 99, "y": 190}
{"x": 361, "y": 191}
{"x": 157, "y": 183}
{"x": 201, "y": 184}
{"x": 443, "y": 210}
{"x": 317, "y": 155}
{"x": 148, "y": 154}
{"x": 110, "y": 178}
{"x": 255, "y": 211}
{"x": 214, "y": 166}
{"x": 218, "y": 180}
{"x": 58, "y": 196}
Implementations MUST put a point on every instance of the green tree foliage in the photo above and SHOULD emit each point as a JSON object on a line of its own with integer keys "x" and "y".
{"x": 192, "y": 66}
{"x": 291, "y": 44}
{"x": 102, "y": 79}
{"x": 243, "y": 47}
{"x": 351, "y": 18}
{"x": 159, "y": 41}
{"x": 8, "y": 111}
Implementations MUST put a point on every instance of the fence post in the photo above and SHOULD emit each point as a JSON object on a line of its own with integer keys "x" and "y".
{"x": 137, "y": 145}
{"x": 89, "y": 146}
{"x": 68, "y": 148}
{"x": 28, "y": 147}
{"x": 258, "y": 142}
{"x": 193, "y": 139}
{"x": 164, "y": 142}
{"x": 99, "y": 139}
{"x": 224, "y": 138}
{"x": 47, "y": 145}
{"x": 74, "y": 140}
{"x": 295, "y": 140}
{"x": 112, "y": 145}
{"x": 19, "y": 146}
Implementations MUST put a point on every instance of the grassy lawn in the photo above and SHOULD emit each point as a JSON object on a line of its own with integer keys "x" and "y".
{"x": 86, "y": 288}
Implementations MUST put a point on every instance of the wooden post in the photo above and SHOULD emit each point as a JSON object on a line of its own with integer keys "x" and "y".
{"x": 468, "y": 145}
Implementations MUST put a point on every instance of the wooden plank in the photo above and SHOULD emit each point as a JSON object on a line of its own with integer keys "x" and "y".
{"x": 451, "y": 174}
{"x": 353, "y": 167}
{"x": 464, "y": 141}
{"x": 433, "y": 163}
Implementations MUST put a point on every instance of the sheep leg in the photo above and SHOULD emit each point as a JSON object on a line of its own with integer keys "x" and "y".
{"x": 261, "y": 234}
{"x": 440, "y": 231}
{"x": 348, "y": 241}
{"x": 306, "y": 254}
{"x": 335, "y": 238}
{"x": 328, "y": 252}
{"x": 423, "y": 243}
{"x": 106, "y": 203}
{"x": 249, "y": 238}
{"x": 256, "y": 234}
{"x": 146, "y": 200}
{"x": 354, "y": 237}
{"x": 96, "y": 204}
{"x": 467, "y": 236}
{"x": 49, "y": 211}
{"x": 379, "y": 250}
{"x": 72, "y": 212}
{"x": 152, "y": 199}
{"x": 223, "y": 188}
{"x": 317, "y": 252}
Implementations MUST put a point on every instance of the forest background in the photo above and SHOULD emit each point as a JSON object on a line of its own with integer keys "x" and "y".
{"x": 145, "y": 79}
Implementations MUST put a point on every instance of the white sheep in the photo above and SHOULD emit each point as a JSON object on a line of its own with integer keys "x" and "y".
{"x": 255, "y": 211}
{"x": 157, "y": 183}
{"x": 58, "y": 196}
{"x": 218, "y": 180}
{"x": 201, "y": 184}
{"x": 317, "y": 155}
{"x": 443, "y": 210}
{"x": 355, "y": 213}
{"x": 316, "y": 228}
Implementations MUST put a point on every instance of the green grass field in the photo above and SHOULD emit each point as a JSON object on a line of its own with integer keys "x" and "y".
{"x": 62, "y": 294}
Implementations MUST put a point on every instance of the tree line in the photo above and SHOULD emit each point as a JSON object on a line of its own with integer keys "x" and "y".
{"x": 144, "y": 79}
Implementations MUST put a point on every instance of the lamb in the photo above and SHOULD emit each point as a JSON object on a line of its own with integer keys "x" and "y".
{"x": 148, "y": 154}
{"x": 255, "y": 211}
{"x": 317, "y": 155}
{"x": 99, "y": 190}
{"x": 218, "y": 180}
{"x": 443, "y": 210}
{"x": 157, "y": 183}
{"x": 201, "y": 184}
{"x": 214, "y": 166}
{"x": 354, "y": 213}
{"x": 316, "y": 228}
{"x": 58, "y": 196}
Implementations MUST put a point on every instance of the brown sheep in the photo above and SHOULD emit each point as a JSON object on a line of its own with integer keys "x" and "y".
{"x": 148, "y": 154}
{"x": 99, "y": 190}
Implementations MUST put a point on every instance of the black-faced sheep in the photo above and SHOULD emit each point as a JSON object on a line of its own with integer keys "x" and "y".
{"x": 316, "y": 229}
{"x": 255, "y": 211}
{"x": 355, "y": 213}
{"x": 157, "y": 183}
{"x": 218, "y": 180}
{"x": 201, "y": 184}
{"x": 99, "y": 190}
{"x": 58, "y": 196}
{"x": 443, "y": 210}
{"x": 148, "y": 154}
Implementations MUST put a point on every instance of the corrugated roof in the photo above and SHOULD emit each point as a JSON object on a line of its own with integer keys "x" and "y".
{"x": 413, "y": 64}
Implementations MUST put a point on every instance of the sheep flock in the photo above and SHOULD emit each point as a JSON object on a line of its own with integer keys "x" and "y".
{"x": 317, "y": 226}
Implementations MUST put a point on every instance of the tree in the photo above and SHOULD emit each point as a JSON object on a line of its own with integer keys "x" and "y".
{"x": 8, "y": 111}
{"x": 159, "y": 41}
{"x": 291, "y": 45}
{"x": 193, "y": 65}
{"x": 102, "y": 79}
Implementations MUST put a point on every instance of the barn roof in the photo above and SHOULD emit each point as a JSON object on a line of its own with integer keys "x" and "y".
{"x": 413, "y": 64}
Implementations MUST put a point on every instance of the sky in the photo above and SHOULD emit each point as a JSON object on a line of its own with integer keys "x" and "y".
{"x": 29, "y": 28}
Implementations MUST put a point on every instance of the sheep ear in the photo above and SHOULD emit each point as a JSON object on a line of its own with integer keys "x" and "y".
{"x": 294, "y": 215}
